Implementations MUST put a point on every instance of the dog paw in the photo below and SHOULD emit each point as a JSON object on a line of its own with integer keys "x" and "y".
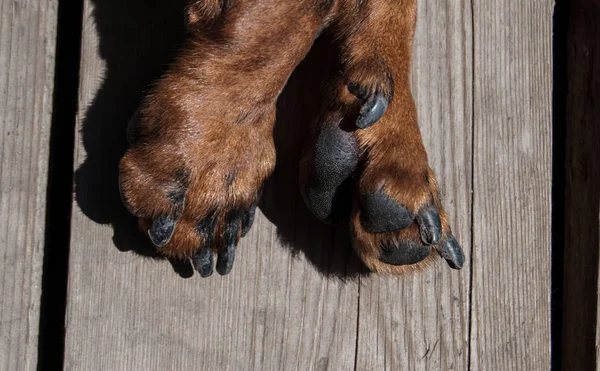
{"x": 194, "y": 171}
{"x": 390, "y": 198}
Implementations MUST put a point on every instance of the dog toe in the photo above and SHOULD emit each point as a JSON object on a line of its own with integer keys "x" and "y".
{"x": 203, "y": 262}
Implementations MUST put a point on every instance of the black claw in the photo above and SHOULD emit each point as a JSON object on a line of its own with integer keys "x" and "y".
{"x": 453, "y": 253}
{"x": 225, "y": 259}
{"x": 430, "y": 225}
{"x": 203, "y": 262}
{"x": 248, "y": 220}
{"x": 162, "y": 230}
{"x": 406, "y": 253}
{"x": 231, "y": 237}
{"x": 374, "y": 106}
{"x": 371, "y": 111}
{"x": 381, "y": 214}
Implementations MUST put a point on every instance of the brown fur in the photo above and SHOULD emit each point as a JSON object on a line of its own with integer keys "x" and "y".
{"x": 211, "y": 116}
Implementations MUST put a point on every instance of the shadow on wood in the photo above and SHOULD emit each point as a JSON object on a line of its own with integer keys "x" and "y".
{"x": 138, "y": 38}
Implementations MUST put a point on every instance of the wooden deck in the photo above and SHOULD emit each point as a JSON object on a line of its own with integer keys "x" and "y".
{"x": 296, "y": 299}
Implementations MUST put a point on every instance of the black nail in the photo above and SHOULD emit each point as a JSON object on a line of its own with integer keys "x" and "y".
{"x": 453, "y": 253}
{"x": 162, "y": 230}
{"x": 372, "y": 111}
{"x": 203, "y": 262}
{"x": 225, "y": 259}
{"x": 430, "y": 225}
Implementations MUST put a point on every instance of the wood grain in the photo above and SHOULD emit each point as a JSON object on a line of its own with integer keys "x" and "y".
{"x": 512, "y": 183}
{"x": 420, "y": 322}
{"x": 27, "y": 47}
{"x": 582, "y": 201}
{"x": 275, "y": 310}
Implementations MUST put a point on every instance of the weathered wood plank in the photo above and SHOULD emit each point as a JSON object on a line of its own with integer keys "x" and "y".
{"x": 275, "y": 311}
{"x": 420, "y": 322}
{"x": 582, "y": 201}
{"x": 27, "y": 49}
{"x": 512, "y": 184}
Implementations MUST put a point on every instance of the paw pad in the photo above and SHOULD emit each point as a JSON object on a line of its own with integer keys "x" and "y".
{"x": 404, "y": 253}
{"x": 381, "y": 214}
{"x": 325, "y": 182}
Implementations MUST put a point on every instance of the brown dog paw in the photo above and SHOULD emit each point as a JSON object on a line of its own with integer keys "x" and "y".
{"x": 398, "y": 219}
{"x": 366, "y": 148}
{"x": 395, "y": 212}
{"x": 202, "y": 143}
{"x": 193, "y": 173}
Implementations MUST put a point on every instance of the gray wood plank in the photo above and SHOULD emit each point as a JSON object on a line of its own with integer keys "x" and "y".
{"x": 274, "y": 311}
{"x": 582, "y": 194}
{"x": 420, "y": 322}
{"x": 27, "y": 47}
{"x": 512, "y": 184}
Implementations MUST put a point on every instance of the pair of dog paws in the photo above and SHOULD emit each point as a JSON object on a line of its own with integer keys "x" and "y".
{"x": 193, "y": 177}
{"x": 202, "y": 141}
